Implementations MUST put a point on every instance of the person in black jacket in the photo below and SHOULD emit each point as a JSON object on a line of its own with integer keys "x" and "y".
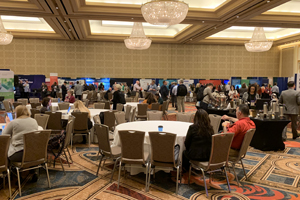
{"x": 198, "y": 139}
{"x": 118, "y": 96}
{"x": 44, "y": 90}
{"x": 164, "y": 91}
{"x": 64, "y": 91}
{"x": 106, "y": 93}
{"x": 21, "y": 89}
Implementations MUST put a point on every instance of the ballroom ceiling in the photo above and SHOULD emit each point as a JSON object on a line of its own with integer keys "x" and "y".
{"x": 207, "y": 22}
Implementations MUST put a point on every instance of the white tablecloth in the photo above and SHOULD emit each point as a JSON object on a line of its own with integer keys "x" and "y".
{"x": 176, "y": 127}
{"x": 132, "y": 104}
{"x": 93, "y": 113}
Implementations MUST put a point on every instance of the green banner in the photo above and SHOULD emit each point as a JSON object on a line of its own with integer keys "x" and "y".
{"x": 245, "y": 81}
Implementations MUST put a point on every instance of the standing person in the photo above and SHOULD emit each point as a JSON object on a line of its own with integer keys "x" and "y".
{"x": 291, "y": 99}
{"x": 207, "y": 96}
{"x": 227, "y": 88}
{"x": 21, "y": 88}
{"x": 243, "y": 89}
{"x": 164, "y": 91}
{"x": 197, "y": 88}
{"x": 101, "y": 87}
{"x": 138, "y": 88}
{"x": 181, "y": 93}
{"x": 106, "y": 93}
{"x": 71, "y": 85}
{"x": 232, "y": 93}
{"x": 251, "y": 96}
{"x": 54, "y": 89}
{"x": 44, "y": 90}
{"x": 158, "y": 87}
{"x": 64, "y": 91}
{"x": 118, "y": 96}
{"x": 173, "y": 96}
{"x": 78, "y": 90}
{"x": 152, "y": 88}
{"x": 26, "y": 90}
{"x": 275, "y": 89}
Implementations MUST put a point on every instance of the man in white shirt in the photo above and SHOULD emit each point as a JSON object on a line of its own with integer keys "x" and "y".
{"x": 138, "y": 88}
{"x": 227, "y": 88}
{"x": 275, "y": 89}
{"x": 153, "y": 88}
{"x": 26, "y": 89}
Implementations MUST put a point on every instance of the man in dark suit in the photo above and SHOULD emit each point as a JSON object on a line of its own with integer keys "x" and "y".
{"x": 164, "y": 91}
{"x": 64, "y": 91}
{"x": 291, "y": 99}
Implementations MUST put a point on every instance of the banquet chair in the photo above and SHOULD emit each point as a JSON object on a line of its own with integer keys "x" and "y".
{"x": 35, "y": 105}
{"x": 215, "y": 121}
{"x": 4, "y": 144}
{"x": 86, "y": 102}
{"x": 101, "y": 96}
{"x": 155, "y": 106}
{"x": 120, "y": 107}
{"x": 34, "y": 100}
{"x": 59, "y": 95}
{"x": 54, "y": 122}
{"x": 80, "y": 126}
{"x": 142, "y": 111}
{"x": 24, "y": 101}
{"x": 110, "y": 120}
{"x": 63, "y": 106}
{"x": 134, "y": 157}
{"x": 133, "y": 115}
{"x": 54, "y": 100}
{"x": 154, "y": 115}
{"x": 89, "y": 95}
{"x": 34, "y": 155}
{"x": 234, "y": 159}
{"x": 95, "y": 96}
{"x": 184, "y": 117}
{"x": 128, "y": 99}
{"x": 120, "y": 117}
{"x": 99, "y": 105}
{"x": 218, "y": 158}
{"x": 96, "y": 119}
{"x": 110, "y": 95}
{"x": 164, "y": 110}
{"x": 127, "y": 112}
{"x": 15, "y": 104}
{"x": 162, "y": 154}
{"x": 34, "y": 111}
{"x": 105, "y": 149}
{"x": 107, "y": 105}
{"x": 42, "y": 120}
{"x": 7, "y": 106}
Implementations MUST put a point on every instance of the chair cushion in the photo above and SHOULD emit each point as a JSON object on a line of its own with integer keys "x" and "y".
{"x": 116, "y": 150}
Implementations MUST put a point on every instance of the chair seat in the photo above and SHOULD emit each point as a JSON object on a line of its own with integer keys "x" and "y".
{"x": 141, "y": 116}
{"x": 162, "y": 164}
{"x": 115, "y": 150}
{"x": 128, "y": 161}
{"x": 111, "y": 136}
{"x": 199, "y": 163}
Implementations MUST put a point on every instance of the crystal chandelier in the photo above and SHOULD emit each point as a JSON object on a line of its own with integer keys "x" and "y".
{"x": 258, "y": 42}
{"x": 165, "y": 12}
{"x": 138, "y": 39}
{"x": 5, "y": 38}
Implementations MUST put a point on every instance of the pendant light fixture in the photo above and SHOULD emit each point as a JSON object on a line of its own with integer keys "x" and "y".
{"x": 258, "y": 42}
{"x": 138, "y": 39}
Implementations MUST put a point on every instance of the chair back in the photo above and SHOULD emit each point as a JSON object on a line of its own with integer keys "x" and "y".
{"x": 81, "y": 121}
{"x": 246, "y": 142}
{"x": 120, "y": 117}
{"x": 94, "y": 96}
{"x": 142, "y": 108}
{"x": 89, "y": 95}
{"x": 42, "y": 120}
{"x": 164, "y": 107}
{"x": 4, "y": 144}
{"x": 7, "y": 106}
{"x": 59, "y": 95}
{"x": 155, "y": 106}
{"x": 34, "y": 111}
{"x": 102, "y": 96}
{"x": 110, "y": 95}
{"x": 132, "y": 147}
{"x": 220, "y": 150}
{"x": 99, "y": 105}
{"x": 15, "y": 104}
{"x": 128, "y": 99}
{"x": 215, "y": 121}
{"x": 35, "y": 148}
{"x": 154, "y": 115}
{"x": 109, "y": 119}
{"x": 127, "y": 112}
{"x": 133, "y": 115}
{"x": 54, "y": 121}
{"x": 162, "y": 147}
{"x": 184, "y": 117}
{"x": 96, "y": 119}
{"x": 86, "y": 102}
{"x": 107, "y": 105}
{"x": 23, "y": 101}
{"x": 63, "y": 106}
{"x": 102, "y": 132}
{"x": 35, "y": 105}
{"x": 34, "y": 100}
{"x": 69, "y": 131}
{"x": 120, "y": 107}
{"x": 54, "y": 100}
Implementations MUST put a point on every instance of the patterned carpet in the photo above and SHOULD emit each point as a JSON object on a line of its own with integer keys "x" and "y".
{"x": 271, "y": 175}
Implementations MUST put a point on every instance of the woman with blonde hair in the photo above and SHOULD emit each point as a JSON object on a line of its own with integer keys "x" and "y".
{"x": 118, "y": 96}
{"x": 22, "y": 124}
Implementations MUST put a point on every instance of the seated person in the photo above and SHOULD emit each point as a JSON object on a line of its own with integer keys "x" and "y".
{"x": 80, "y": 107}
{"x": 70, "y": 98}
{"x": 150, "y": 99}
{"x": 240, "y": 126}
{"x": 106, "y": 93}
{"x": 198, "y": 139}
{"x": 46, "y": 103}
{"x": 159, "y": 99}
{"x": 118, "y": 96}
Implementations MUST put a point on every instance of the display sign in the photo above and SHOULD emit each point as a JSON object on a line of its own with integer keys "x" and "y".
{"x": 144, "y": 83}
{"x": 53, "y": 78}
{"x": 297, "y": 82}
{"x": 7, "y": 84}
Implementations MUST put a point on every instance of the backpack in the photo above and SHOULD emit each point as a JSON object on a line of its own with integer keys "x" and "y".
{"x": 181, "y": 90}
{"x": 200, "y": 95}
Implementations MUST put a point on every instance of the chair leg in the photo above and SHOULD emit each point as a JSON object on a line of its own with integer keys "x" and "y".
{"x": 227, "y": 179}
{"x": 146, "y": 183}
{"x": 72, "y": 143}
{"x": 66, "y": 158}
{"x": 19, "y": 181}
{"x": 62, "y": 166}
{"x": 190, "y": 171}
{"x": 89, "y": 139}
{"x": 237, "y": 180}
{"x": 9, "y": 184}
{"x": 103, "y": 164}
{"x": 113, "y": 171}
{"x": 244, "y": 170}
{"x": 149, "y": 175}
{"x": 99, "y": 165}
{"x": 69, "y": 155}
{"x": 3, "y": 180}
{"x": 177, "y": 179}
{"x": 120, "y": 168}
{"x": 46, "y": 166}
{"x": 204, "y": 182}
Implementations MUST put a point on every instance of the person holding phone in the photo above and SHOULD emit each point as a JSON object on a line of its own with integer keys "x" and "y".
{"x": 70, "y": 98}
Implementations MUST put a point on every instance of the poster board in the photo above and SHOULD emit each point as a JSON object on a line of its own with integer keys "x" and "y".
{"x": 7, "y": 85}
{"x": 246, "y": 81}
{"x": 187, "y": 82}
{"x": 144, "y": 82}
{"x": 297, "y": 82}
{"x": 53, "y": 78}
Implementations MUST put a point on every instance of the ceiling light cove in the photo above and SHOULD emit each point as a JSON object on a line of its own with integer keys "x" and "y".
{"x": 292, "y": 6}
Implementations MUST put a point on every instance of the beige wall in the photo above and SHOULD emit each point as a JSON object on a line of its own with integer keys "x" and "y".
{"x": 287, "y": 62}
{"x": 111, "y": 59}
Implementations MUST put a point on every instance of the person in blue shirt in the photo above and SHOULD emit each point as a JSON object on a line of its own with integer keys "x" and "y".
{"x": 26, "y": 90}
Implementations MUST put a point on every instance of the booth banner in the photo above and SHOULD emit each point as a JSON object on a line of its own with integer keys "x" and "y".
{"x": 53, "y": 78}
{"x": 187, "y": 82}
{"x": 246, "y": 81}
{"x": 7, "y": 84}
{"x": 297, "y": 78}
{"x": 144, "y": 82}
{"x": 214, "y": 82}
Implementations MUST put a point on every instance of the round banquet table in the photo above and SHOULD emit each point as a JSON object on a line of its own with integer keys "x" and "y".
{"x": 94, "y": 112}
{"x": 132, "y": 104}
{"x": 176, "y": 127}
{"x": 54, "y": 106}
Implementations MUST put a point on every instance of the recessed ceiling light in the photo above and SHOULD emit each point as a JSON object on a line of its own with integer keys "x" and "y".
{"x": 56, "y": 8}
{"x": 70, "y": 29}
{"x": 191, "y": 39}
{"x": 237, "y": 16}
{"x": 15, "y": 18}
{"x": 65, "y": 21}
{"x": 268, "y": 1}
{"x": 132, "y": 18}
{"x": 203, "y": 21}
